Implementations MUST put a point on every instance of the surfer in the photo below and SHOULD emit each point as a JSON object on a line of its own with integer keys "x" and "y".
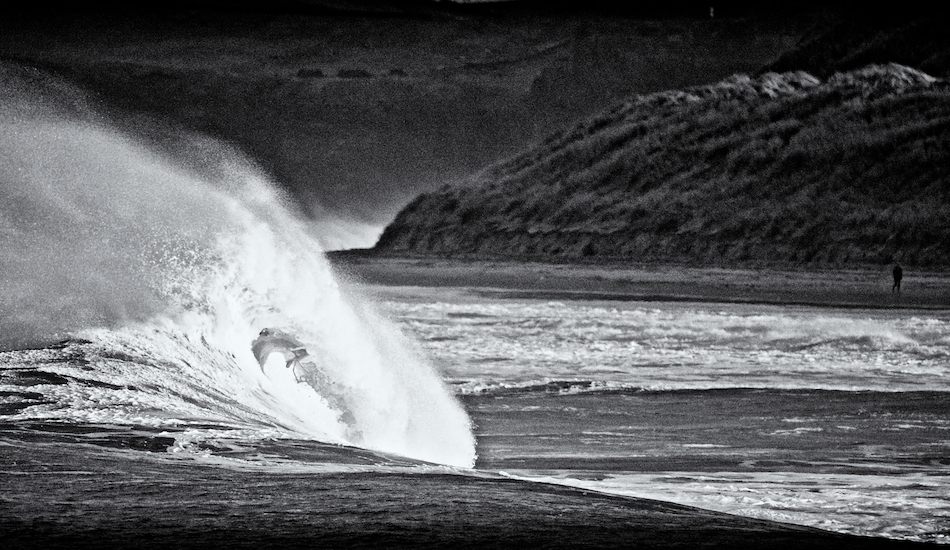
{"x": 277, "y": 341}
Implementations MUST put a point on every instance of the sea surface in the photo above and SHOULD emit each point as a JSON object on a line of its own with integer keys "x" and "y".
{"x": 820, "y": 417}
{"x": 832, "y": 418}
{"x": 146, "y": 403}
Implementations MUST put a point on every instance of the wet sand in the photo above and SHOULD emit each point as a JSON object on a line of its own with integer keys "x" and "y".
{"x": 866, "y": 287}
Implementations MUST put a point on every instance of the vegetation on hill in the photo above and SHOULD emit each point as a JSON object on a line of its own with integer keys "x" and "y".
{"x": 777, "y": 168}
{"x": 355, "y": 106}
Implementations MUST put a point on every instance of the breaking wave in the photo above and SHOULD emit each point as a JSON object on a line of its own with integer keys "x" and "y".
{"x": 168, "y": 270}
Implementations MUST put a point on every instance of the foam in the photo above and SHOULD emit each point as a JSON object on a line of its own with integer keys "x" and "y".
{"x": 519, "y": 343}
{"x": 907, "y": 506}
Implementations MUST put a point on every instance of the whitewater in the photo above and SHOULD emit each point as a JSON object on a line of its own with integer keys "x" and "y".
{"x": 163, "y": 272}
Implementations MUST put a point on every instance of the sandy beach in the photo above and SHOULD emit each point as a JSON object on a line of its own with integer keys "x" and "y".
{"x": 866, "y": 287}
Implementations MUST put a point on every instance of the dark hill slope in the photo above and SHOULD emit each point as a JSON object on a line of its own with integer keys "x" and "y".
{"x": 778, "y": 168}
{"x": 356, "y": 107}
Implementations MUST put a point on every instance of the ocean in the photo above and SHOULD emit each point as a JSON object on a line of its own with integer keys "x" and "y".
{"x": 832, "y": 418}
{"x": 180, "y": 366}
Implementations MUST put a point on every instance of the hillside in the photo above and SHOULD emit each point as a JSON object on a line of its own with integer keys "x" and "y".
{"x": 357, "y": 106}
{"x": 779, "y": 168}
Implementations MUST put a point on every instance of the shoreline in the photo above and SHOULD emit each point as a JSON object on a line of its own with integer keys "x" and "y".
{"x": 854, "y": 288}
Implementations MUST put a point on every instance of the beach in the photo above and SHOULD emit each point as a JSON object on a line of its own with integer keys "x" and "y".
{"x": 856, "y": 287}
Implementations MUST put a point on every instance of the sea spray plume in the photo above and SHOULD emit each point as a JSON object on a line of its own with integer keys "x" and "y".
{"x": 107, "y": 239}
{"x": 86, "y": 217}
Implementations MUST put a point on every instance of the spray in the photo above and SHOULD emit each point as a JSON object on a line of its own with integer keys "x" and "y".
{"x": 115, "y": 241}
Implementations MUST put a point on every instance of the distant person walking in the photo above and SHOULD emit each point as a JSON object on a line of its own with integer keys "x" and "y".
{"x": 898, "y": 275}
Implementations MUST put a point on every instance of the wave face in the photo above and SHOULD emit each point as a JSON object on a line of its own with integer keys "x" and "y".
{"x": 170, "y": 269}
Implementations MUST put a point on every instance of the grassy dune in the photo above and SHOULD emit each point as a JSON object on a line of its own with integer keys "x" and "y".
{"x": 356, "y": 107}
{"x": 781, "y": 168}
